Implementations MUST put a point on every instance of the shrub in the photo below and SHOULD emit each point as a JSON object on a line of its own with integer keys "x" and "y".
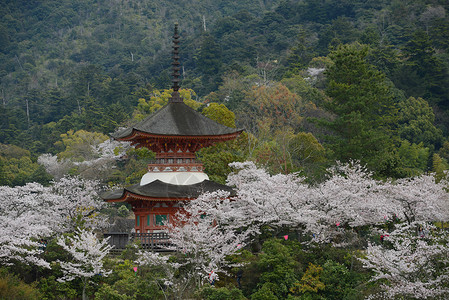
{"x": 209, "y": 293}
{"x": 11, "y": 287}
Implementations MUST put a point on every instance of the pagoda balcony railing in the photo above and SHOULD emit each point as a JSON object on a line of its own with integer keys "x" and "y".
{"x": 176, "y": 167}
{"x": 175, "y": 160}
{"x": 154, "y": 241}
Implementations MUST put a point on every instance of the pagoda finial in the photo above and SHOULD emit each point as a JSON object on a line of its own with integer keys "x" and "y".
{"x": 175, "y": 97}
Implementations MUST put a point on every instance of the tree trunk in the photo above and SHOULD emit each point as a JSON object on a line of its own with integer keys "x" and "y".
{"x": 84, "y": 290}
{"x": 28, "y": 113}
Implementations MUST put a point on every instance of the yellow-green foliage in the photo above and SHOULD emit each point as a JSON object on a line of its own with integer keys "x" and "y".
{"x": 275, "y": 104}
{"x": 12, "y": 288}
{"x": 125, "y": 284}
{"x": 439, "y": 166}
{"x": 159, "y": 99}
{"x": 12, "y": 151}
{"x": 78, "y": 145}
{"x": 18, "y": 168}
{"x": 310, "y": 281}
{"x": 220, "y": 114}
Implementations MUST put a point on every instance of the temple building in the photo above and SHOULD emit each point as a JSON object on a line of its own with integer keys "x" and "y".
{"x": 174, "y": 133}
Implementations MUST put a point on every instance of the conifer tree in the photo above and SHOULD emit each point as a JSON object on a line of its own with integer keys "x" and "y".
{"x": 363, "y": 106}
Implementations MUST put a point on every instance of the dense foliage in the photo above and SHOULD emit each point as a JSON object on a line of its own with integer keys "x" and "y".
{"x": 88, "y": 65}
{"x": 316, "y": 84}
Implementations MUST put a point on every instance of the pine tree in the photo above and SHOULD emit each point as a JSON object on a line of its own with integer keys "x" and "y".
{"x": 363, "y": 105}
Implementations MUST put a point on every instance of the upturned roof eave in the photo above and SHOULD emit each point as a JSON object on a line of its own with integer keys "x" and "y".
{"x": 127, "y": 195}
{"x": 136, "y": 133}
{"x": 155, "y": 191}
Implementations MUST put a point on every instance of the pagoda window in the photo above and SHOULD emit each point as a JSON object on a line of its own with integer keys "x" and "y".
{"x": 148, "y": 220}
{"x": 170, "y": 160}
{"x": 179, "y": 160}
{"x": 160, "y": 220}
{"x": 138, "y": 221}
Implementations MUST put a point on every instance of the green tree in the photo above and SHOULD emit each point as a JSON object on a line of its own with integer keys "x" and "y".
{"x": 156, "y": 99}
{"x": 413, "y": 158}
{"x": 286, "y": 152}
{"x": 125, "y": 284}
{"x": 114, "y": 115}
{"x": 273, "y": 106}
{"x": 15, "y": 289}
{"x": 222, "y": 293}
{"x": 209, "y": 62}
{"x": 3, "y": 178}
{"x": 363, "y": 105}
{"x": 299, "y": 55}
{"x": 17, "y": 167}
{"x": 220, "y": 114}
{"x": 338, "y": 280}
{"x": 306, "y": 150}
{"x": 416, "y": 123}
{"x": 304, "y": 89}
{"x": 423, "y": 73}
{"x": 310, "y": 281}
{"x": 4, "y": 38}
{"x": 278, "y": 269}
{"x": 216, "y": 159}
{"x": 439, "y": 166}
{"x": 77, "y": 146}
{"x": 444, "y": 151}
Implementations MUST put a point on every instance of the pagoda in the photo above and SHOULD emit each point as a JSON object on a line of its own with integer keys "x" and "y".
{"x": 174, "y": 133}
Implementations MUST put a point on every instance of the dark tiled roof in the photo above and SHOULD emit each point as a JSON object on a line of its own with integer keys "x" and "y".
{"x": 162, "y": 190}
{"x": 176, "y": 118}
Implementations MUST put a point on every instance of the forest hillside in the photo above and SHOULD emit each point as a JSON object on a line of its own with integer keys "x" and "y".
{"x": 92, "y": 65}
{"x": 340, "y": 175}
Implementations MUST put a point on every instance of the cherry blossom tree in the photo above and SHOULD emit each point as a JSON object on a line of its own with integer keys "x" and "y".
{"x": 25, "y": 217}
{"x": 204, "y": 242}
{"x": 171, "y": 283}
{"x": 79, "y": 204}
{"x": 275, "y": 200}
{"x": 410, "y": 265}
{"x": 420, "y": 198}
{"x": 33, "y": 212}
{"x": 349, "y": 199}
{"x": 54, "y": 166}
{"x": 101, "y": 160}
{"x": 87, "y": 253}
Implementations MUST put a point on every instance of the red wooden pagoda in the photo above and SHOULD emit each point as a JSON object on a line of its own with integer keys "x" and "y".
{"x": 174, "y": 133}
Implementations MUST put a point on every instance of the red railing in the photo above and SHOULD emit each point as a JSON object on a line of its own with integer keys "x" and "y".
{"x": 157, "y": 241}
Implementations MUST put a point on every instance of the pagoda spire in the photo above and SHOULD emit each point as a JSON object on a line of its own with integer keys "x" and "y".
{"x": 175, "y": 97}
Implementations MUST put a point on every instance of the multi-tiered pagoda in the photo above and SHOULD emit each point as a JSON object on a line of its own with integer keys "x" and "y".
{"x": 174, "y": 133}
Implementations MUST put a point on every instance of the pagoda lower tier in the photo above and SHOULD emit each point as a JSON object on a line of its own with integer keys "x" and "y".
{"x": 158, "y": 202}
